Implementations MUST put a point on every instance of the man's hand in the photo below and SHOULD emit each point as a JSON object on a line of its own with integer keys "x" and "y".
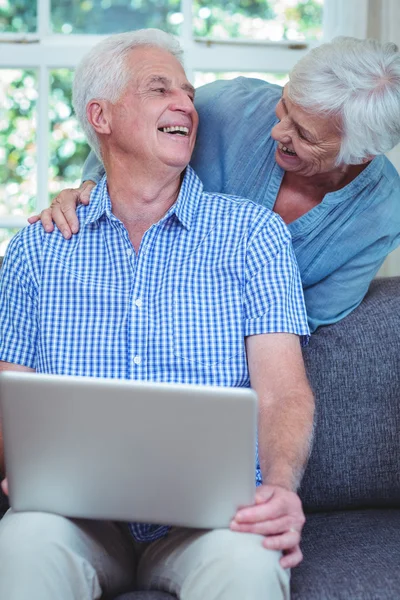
{"x": 278, "y": 515}
{"x": 4, "y": 486}
{"x": 62, "y": 210}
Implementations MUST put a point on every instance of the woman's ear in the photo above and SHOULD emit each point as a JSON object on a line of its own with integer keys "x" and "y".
{"x": 97, "y": 115}
{"x": 367, "y": 159}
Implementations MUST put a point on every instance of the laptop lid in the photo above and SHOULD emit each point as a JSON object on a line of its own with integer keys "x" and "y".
{"x": 133, "y": 451}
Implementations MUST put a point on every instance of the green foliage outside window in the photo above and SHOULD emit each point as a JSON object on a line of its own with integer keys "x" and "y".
{"x": 263, "y": 20}
{"x": 68, "y": 147}
{"x": 114, "y": 16}
{"x": 18, "y": 95}
{"x": 17, "y": 16}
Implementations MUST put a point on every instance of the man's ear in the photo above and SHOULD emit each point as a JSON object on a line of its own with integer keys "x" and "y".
{"x": 98, "y": 117}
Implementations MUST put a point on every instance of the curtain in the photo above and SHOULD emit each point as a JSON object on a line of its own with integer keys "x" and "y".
{"x": 384, "y": 25}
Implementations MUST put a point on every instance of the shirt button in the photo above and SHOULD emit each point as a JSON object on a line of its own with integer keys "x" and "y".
{"x": 138, "y": 302}
{"x": 129, "y": 252}
{"x": 137, "y": 360}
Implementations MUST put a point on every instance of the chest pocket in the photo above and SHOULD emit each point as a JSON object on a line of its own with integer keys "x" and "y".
{"x": 207, "y": 318}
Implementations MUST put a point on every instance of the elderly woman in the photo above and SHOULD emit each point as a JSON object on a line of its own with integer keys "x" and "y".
{"x": 319, "y": 163}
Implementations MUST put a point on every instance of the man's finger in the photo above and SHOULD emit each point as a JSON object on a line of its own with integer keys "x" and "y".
{"x": 292, "y": 558}
{"x": 273, "y": 509}
{"x": 286, "y": 541}
{"x": 272, "y": 527}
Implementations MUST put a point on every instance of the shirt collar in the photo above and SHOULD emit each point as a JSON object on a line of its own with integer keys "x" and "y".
{"x": 184, "y": 208}
{"x": 187, "y": 202}
{"x": 99, "y": 204}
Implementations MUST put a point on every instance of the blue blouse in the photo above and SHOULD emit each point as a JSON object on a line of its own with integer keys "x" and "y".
{"x": 341, "y": 243}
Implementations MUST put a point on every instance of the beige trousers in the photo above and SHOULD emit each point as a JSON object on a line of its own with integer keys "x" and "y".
{"x": 48, "y": 557}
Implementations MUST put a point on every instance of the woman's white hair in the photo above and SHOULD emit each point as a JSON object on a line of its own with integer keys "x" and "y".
{"x": 357, "y": 81}
{"x": 103, "y": 74}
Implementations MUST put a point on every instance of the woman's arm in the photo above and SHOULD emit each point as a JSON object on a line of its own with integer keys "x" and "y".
{"x": 62, "y": 210}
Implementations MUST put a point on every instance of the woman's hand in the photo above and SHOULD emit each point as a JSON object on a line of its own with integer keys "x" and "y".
{"x": 278, "y": 515}
{"x": 62, "y": 210}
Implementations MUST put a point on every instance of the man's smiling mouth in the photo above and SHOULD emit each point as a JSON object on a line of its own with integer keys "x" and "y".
{"x": 175, "y": 129}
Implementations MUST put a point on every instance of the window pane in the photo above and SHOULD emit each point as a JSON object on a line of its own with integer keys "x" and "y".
{"x": 68, "y": 147}
{"x": 5, "y": 237}
{"x": 17, "y": 16}
{"x": 272, "y": 20}
{"x": 114, "y": 16}
{"x": 18, "y": 94}
{"x": 203, "y": 77}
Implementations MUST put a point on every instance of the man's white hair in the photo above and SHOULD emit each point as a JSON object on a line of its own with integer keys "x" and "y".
{"x": 357, "y": 81}
{"x": 103, "y": 74}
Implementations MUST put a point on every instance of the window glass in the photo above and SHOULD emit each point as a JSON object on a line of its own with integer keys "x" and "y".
{"x": 114, "y": 16}
{"x": 5, "y": 236}
{"x": 68, "y": 147}
{"x": 264, "y": 20}
{"x": 18, "y": 95}
{"x": 203, "y": 77}
{"x": 17, "y": 16}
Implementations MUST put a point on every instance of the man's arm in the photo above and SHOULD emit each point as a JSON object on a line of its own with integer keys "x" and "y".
{"x": 6, "y": 366}
{"x": 286, "y": 407}
{"x": 286, "y": 412}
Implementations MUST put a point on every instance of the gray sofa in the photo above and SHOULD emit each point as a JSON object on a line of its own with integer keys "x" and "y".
{"x": 351, "y": 488}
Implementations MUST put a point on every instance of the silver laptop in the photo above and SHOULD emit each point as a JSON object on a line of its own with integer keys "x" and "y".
{"x": 121, "y": 450}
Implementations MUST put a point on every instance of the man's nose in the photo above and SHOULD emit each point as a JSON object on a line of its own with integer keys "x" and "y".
{"x": 181, "y": 101}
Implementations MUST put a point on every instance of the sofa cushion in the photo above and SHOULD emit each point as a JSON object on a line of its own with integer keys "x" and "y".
{"x": 354, "y": 370}
{"x": 350, "y": 555}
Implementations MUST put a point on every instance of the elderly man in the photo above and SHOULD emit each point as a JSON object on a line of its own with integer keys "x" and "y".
{"x": 166, "y": 283}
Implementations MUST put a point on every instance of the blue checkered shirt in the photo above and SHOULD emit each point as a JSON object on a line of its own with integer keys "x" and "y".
{"x": 212, "y": 271}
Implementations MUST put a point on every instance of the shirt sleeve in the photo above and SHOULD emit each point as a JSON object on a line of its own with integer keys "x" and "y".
{"x": 273, "y": 296}
{"x": 93, "y": 169}
{"x": 234, "y": 116}
{"x": 18, "y": 301}
{"x": 331, "y": 299}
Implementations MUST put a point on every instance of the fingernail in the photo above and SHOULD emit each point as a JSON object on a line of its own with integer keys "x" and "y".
{"x": 239, "y": 518}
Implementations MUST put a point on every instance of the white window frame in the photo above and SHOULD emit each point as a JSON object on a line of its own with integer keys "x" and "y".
{"x": 44, "y": 51}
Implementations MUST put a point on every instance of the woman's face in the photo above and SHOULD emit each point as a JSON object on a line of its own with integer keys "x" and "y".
{"x": 307, "y": 144}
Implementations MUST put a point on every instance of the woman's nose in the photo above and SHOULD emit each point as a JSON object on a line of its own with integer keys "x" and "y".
{"x": 280, "y": 132}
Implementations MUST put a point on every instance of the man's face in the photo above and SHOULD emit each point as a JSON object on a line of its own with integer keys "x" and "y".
{"x": 154, "y": 122}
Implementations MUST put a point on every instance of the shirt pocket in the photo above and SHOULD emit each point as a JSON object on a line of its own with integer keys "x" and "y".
{"x": 207, "y": 321}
